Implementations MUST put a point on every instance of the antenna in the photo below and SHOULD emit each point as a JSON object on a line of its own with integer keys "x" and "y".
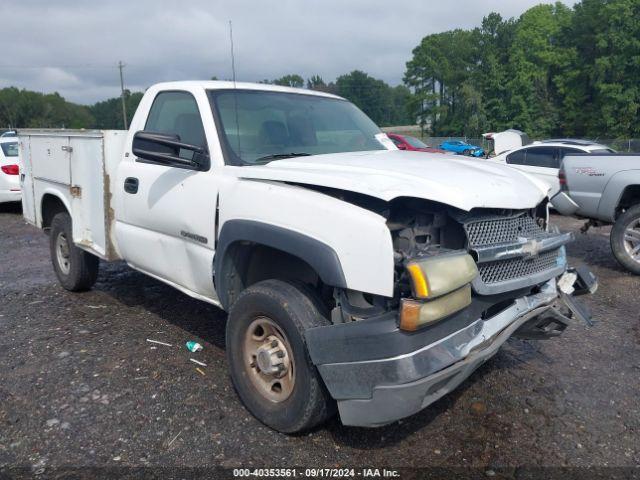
{"x": 235, "y": 98}
{"x": 233, "y": 58}
{"x": 124, "y": 105}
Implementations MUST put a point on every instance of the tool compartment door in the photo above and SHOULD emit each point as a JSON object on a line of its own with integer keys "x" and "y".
{"x": 26, "y": 180}
{"x": 87, "y": 192}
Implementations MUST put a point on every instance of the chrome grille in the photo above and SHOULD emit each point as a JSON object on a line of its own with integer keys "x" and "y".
{"x": 502, "y": 230}
{"x": 491, "y": 231}
{"x": 501, "y": 271}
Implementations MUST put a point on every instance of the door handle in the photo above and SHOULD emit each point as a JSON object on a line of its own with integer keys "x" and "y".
{"x": 131, "y": 185}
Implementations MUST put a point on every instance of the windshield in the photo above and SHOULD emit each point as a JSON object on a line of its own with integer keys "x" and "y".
{"x": 10, "y": 149}
{"x": 260, "y": 126}
{"x": 415, "y": 142}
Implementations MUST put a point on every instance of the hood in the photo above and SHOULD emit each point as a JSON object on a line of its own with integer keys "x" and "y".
{"x": 452, "y": 180}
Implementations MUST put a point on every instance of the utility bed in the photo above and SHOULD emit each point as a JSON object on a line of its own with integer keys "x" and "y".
{"x": 77, "y": 167}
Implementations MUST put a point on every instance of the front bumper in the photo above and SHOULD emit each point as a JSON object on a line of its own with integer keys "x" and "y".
{"x": 380, "y": 390}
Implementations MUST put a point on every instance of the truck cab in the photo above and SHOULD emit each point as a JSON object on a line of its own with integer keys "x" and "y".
{"x": 357, "y": 277}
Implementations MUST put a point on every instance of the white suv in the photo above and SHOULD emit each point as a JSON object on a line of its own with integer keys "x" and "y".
{"x": 542, "y": 159}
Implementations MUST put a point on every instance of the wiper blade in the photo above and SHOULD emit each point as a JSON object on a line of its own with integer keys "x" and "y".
{"x": 279, "y": 156}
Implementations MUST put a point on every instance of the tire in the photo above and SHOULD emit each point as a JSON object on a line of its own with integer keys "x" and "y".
{"x": 301, "y": 400}
{"x": 625, "y": 239}
{"x": 466, "y": 152}
{"x": 76, "y": 269}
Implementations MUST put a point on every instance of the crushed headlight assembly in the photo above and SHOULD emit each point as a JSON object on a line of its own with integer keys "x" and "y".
{"x": 443, "y": 282}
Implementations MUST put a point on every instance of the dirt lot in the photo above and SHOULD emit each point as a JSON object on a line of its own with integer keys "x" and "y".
{"x": 80, "y": 386}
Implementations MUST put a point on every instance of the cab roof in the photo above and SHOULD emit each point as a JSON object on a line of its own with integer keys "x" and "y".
{"x": 220, "y": 85}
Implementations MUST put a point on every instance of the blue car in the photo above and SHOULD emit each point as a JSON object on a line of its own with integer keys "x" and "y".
{"x": 464, "y": 148}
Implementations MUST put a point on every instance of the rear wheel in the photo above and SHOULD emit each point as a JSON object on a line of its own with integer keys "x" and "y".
{"x": 625, "y": 239}
{"x": 268, "y": 358}
{"x": 76, "y": 269}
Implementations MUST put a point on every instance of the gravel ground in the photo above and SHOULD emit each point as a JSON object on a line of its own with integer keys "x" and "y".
{"x": 80, "y": 386}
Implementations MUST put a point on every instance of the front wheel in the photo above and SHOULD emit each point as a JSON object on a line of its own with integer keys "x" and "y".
{"x": 268, "y": 358}
{"x": 466, "y": 152}
{"x": 625, "y": 239}
{"x": 76, "y": 269}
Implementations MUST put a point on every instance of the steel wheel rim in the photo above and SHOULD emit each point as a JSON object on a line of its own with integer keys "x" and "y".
{"x": 268, "y": 360}
{"x": 62, "y": 253}
{"x": 632, "y": 240}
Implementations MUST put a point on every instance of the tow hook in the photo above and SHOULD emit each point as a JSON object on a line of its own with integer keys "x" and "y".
{"x": 588, "y": 224}
{"x": 574, "y": 282}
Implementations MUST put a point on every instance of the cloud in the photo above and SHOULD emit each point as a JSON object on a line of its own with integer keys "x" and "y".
{"x": 73, "y": 47}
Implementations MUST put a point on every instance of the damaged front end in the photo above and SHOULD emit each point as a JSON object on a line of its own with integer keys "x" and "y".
{"x": 465, "y": 283}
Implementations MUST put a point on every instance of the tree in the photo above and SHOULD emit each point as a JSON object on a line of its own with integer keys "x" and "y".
{"x": 601, "y": 96}
{"x": 492, "y": 71}
{"x": 441, "y": 64}
{"x": 26, "y": 109}
{"x": 536, "y": 58}
{"x": 374, "y": 97}
{"x": 108, "y": 113}
{"x": 291, "y": 80}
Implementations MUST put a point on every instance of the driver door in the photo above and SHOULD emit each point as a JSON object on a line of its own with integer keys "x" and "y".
{"x": 165, "y": 222}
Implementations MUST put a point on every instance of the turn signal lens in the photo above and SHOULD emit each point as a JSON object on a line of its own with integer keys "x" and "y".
{"x": 432, "y": 277}
{"x": 420, "y": 288}
{"x": 415, "y": 315}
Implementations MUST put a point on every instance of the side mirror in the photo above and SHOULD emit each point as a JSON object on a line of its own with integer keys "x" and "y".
{"x": 167, "y": 149}
{"x": 401, "y": 147}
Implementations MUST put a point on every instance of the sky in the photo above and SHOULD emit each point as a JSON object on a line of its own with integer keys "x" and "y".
{"x": 73, "y": 46}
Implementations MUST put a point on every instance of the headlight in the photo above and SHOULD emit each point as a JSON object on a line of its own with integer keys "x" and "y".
{"x": 434, "y": 276}
{"x": 444, "y": 282}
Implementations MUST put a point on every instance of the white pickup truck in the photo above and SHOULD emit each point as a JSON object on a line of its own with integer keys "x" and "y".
{"x": 355, "y": 275}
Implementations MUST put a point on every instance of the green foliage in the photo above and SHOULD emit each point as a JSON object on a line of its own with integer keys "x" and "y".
{"x": 316, "y": 83}
{"x": 536, "y": 57}
{"x": 25, "y": 109}
{"x": 108, "y": 113}
{"x": 554, "y": 71}
{"x": 383, "y": 104}
{"x": 600, "y": 84}
{"x": 291, "y": 80}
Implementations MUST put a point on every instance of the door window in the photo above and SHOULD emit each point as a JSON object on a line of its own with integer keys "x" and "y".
{"x": 545, "y": 157}
{"x": 519, "y": 157}
{"x": 177, "y": 113}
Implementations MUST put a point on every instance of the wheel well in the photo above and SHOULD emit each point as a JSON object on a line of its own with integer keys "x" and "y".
{"x": 247, "y": 263}
{"x": 51, "y": 206}
{"x": 630, "y": 196}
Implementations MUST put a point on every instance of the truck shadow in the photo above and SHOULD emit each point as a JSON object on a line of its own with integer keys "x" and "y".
{"x": 134, "y": 289}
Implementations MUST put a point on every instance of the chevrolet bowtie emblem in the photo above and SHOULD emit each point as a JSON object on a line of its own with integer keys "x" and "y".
{"x": 530, "y": 247}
